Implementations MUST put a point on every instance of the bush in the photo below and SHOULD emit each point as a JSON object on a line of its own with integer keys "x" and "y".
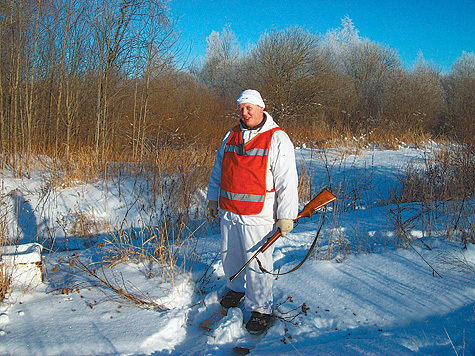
{"x": 446, "y": 177}
{"x": 445, "y": 184}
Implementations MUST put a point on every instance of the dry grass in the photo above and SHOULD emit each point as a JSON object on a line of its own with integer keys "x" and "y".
{"x": 447, "y": 176}
{"x": 4, "y": 282}
{"x": 170, "y": 178}
{"x": 456, "y": 261}
{"x": 443, "y": 184}
{"x": 167, "y": 182}
{"x": 320, "y": 134}
{"x": 4, "y": 276}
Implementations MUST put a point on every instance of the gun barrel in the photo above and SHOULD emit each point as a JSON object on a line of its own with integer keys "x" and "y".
{"x": 245, "y": 265}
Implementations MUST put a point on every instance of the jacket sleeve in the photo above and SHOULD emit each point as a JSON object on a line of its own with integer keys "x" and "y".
{"x": 215, "y": 177}
{"x": 285, "y": 175}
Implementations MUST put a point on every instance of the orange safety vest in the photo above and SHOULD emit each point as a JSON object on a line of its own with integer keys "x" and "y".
{"x": 243, "y": 172}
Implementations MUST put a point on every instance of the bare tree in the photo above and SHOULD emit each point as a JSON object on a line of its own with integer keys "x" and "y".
{"x": 369, "y": 65}
{"x": 66, "y": 71}
{"x": 16, "y": 19}
{"x": 157, "y": 34}
{"x": 460, "y": 87}
{"x": 413, "y": 100}
{"x": 292, "y": 70}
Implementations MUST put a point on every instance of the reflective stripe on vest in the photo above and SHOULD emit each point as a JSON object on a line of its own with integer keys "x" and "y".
{"x": 244, "y": 171}
{"x": 251, "y": 152}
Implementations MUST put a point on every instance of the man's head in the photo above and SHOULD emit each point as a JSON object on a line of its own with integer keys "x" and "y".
{"x": 251, "y": 107}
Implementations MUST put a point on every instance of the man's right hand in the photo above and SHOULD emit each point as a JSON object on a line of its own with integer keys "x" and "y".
{"x": 285, "y": 226}
{"x": 213, "y": 209}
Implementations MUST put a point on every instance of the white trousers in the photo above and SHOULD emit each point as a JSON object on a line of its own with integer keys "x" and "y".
{"x": 238, "y": 244}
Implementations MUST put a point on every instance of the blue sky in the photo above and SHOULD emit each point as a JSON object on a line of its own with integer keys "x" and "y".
{"x": 440, "y": 29}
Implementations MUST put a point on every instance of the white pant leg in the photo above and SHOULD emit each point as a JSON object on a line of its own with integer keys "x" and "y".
{"x": 258, "y": 284}
{"x": 232, "y": 255}
{"x": 237, "y": 238}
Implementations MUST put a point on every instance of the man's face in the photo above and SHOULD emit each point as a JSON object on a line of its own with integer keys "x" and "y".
{"x": 252, "y": 115}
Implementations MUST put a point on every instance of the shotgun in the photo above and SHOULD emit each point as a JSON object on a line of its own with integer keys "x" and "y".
{"x": 322, "y": 199}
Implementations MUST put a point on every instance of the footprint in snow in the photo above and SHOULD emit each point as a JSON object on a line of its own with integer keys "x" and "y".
{"x": 4, "y": 319}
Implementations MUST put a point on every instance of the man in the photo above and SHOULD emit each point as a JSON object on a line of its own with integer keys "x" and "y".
{"x": 255, "y": 180}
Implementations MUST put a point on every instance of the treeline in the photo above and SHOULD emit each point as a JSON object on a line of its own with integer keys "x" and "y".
{"x": 102, "y": 77}
{"x": 96, "y": 76}
{"x": 342, "y": 83}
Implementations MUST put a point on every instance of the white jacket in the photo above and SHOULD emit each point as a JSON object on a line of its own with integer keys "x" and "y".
{"x": 281, "y": 176}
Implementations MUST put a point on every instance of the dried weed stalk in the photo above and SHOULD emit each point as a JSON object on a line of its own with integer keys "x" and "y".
{"x": 5, "y": 277}
{"x": 443, "y": 184}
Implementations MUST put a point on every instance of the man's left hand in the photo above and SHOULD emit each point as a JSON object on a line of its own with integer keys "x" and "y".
{"x": 285, "y": 226}
{"x": 213, "y": 209}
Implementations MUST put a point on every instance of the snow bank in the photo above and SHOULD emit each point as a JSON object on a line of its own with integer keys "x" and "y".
{"x": 23, "y": 264}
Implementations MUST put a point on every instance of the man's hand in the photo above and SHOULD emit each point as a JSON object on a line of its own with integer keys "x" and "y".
{"x": 213, "y": 209}
{"x": 285, "y": 226}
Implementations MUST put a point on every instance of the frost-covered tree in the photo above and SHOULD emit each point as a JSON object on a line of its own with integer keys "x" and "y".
{"x": 221, "y": 58}
{"x": 366, "y": 66}
{"x": 460, "y": 88}
{"x": 340, "y": 39}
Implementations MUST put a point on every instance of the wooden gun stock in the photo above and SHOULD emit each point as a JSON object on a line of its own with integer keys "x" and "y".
{"x": 322, "y": 199}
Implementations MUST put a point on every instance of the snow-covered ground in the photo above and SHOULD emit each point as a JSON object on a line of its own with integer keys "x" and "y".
{"x": 369, "y": 297}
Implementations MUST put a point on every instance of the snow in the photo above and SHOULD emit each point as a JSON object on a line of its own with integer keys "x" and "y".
{"x": 363, "y": 295}
{"x": 22, "y": 264}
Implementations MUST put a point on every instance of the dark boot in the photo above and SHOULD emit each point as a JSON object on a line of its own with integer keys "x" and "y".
{"x": 232, "y": 299}
{"x": 258, "y": 323}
